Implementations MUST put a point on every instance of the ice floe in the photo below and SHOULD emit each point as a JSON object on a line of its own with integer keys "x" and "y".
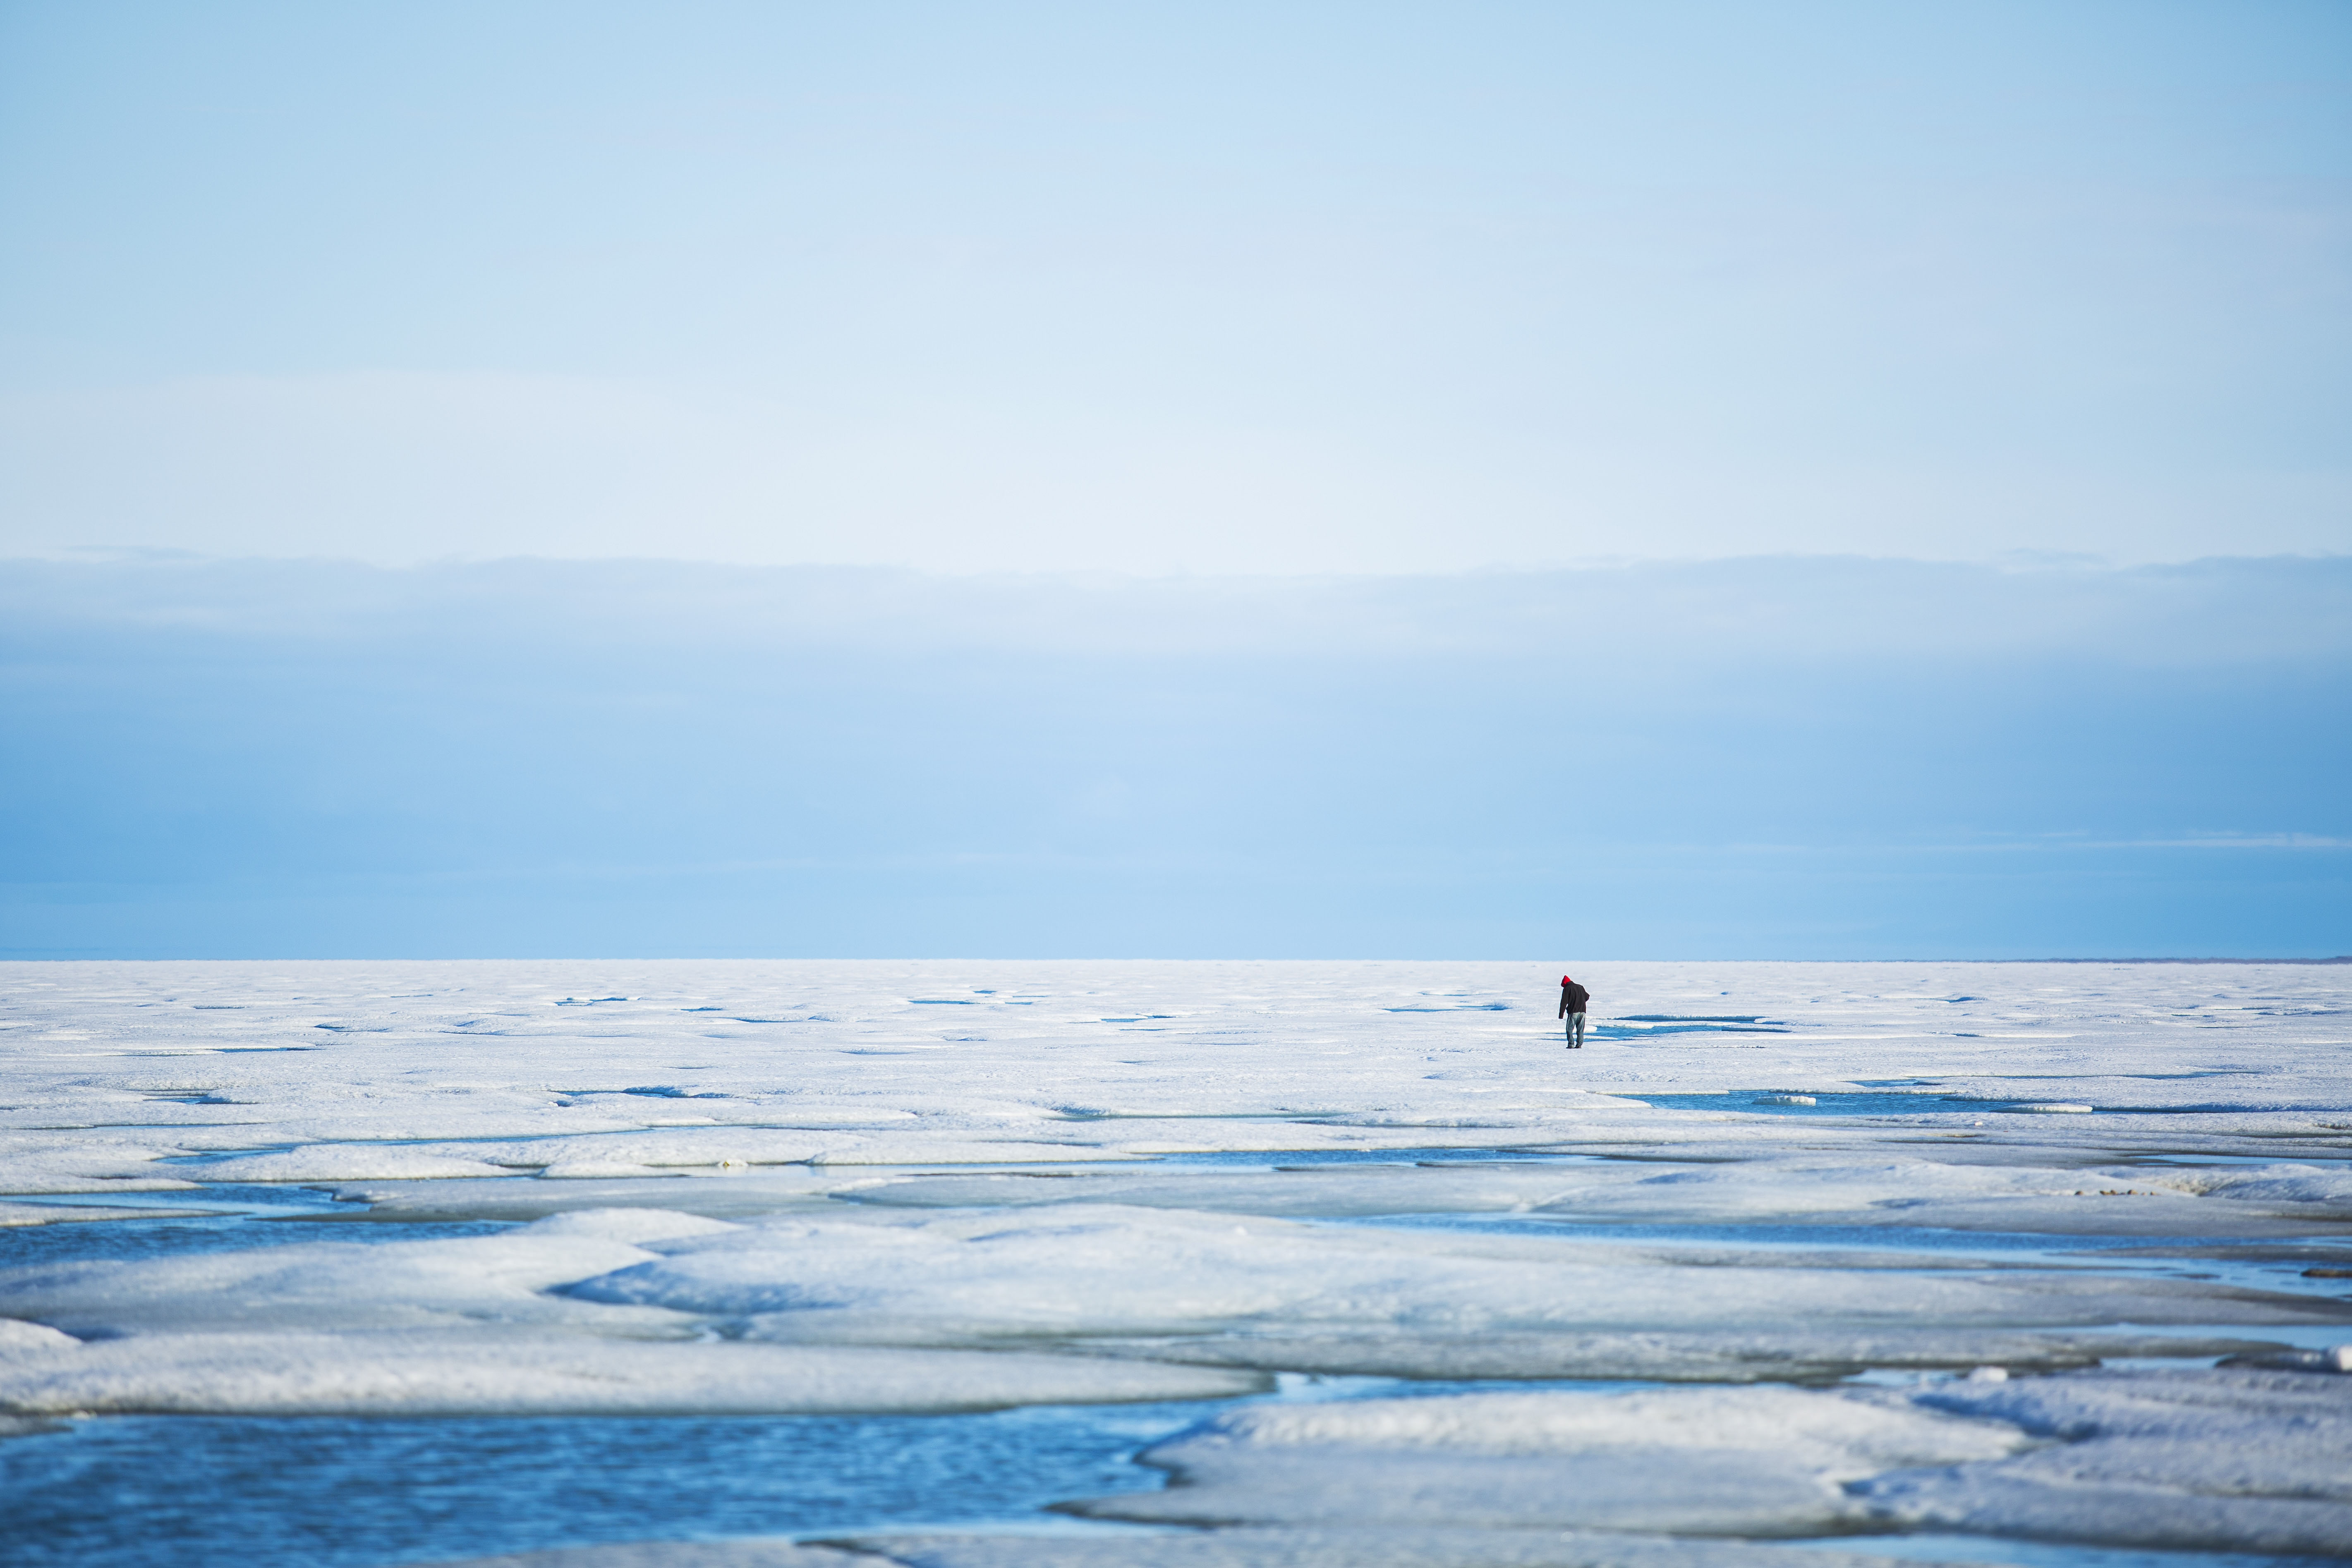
{"x": 1760, "y": 1461}
{"x": 2232, "y": 1459}
{"x": 2243, "y": 1461}
{"x": 1080, "y": 1270}
{"x": 508, "y": 1371}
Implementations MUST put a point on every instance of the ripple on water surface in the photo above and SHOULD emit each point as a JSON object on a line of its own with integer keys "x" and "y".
{"x": 256, "y": 1216}
{"x": 182, "y": 1491}
{"x": 197, "y": 1491}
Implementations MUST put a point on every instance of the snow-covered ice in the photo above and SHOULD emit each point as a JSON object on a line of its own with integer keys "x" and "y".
{"x": 1776, "y": 1461}
{"x": 758, "y": 1188}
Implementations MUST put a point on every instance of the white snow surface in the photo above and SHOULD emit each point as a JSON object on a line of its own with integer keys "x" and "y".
{"x": 837, "y": 1186}
{"x": 1776, "y": 1461}
{"x": 1083, "y": 1271}
{"x": 2230, "y": 1460}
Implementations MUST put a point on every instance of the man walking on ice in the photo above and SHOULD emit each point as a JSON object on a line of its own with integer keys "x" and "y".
{"x": 1573, "y": 999}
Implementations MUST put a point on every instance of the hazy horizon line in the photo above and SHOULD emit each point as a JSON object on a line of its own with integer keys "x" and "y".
{"x": 2013, "y": 563}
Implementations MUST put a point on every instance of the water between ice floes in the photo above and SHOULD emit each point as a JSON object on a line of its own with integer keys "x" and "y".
{"x": 161, "y": 1491}
{"x": 194, "y": 1491}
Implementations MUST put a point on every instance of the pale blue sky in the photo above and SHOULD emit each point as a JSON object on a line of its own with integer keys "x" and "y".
{"x": 1222, "y": 288}
{"x": 1915, "y": 392}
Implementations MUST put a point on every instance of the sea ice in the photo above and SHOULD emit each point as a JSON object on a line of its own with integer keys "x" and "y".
{"x": 507, "y": 1370}
{"x": 1083, "y": 1271}
{"x": 2243, "y": 1461}
{"x": 2227, "y": 1459}
{"x": 346, "y": 1163}
{"x": 843, "y": 1186}
{"x": 1730, "y": 1461}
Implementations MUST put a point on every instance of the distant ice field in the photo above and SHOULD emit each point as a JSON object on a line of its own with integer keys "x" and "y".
{"x": 1788, "y": 1260}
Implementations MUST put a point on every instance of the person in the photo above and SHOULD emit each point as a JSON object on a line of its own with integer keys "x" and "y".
{"x": 1573, "y": 1000}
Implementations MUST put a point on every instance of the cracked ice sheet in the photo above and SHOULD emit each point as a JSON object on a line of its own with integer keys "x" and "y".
{"x": 1910, "y": 1192}
{"x": 2223, "y": 1460}
{"x": 1777, "y": 1461}
{"x": 12, "y": 1215}
{"x": 474, "y": 1326}
{"x": 641, "y": 1309}
{"x": 294, "y": 1053}
{"x": 491, "y": 1372}
{"x": 642, "y": 1155}
{"x": 2227, "y": 1458}
{"x": 1080, "y": 1271}
{"x": 112, "y": 1068}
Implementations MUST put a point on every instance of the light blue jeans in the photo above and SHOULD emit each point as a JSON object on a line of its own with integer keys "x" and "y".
{"x": 1576, "y": 1028}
